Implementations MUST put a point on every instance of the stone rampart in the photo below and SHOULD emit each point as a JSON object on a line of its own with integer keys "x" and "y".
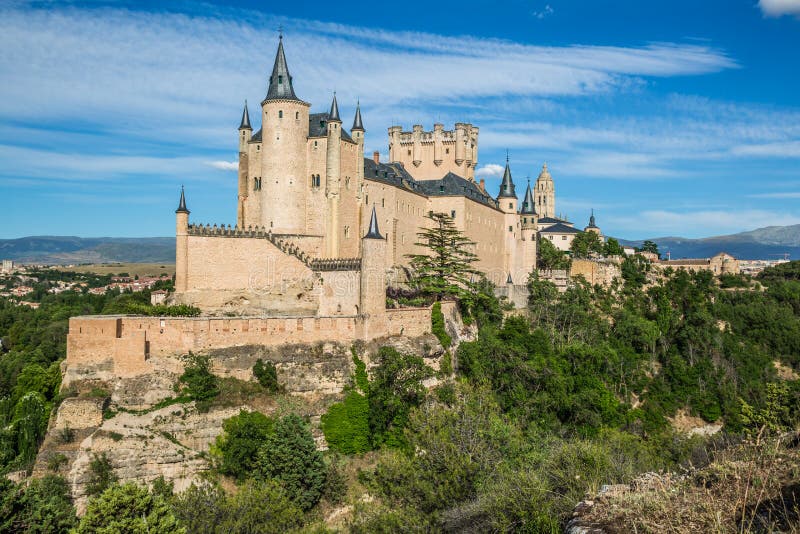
{"x": 129, "y": 342}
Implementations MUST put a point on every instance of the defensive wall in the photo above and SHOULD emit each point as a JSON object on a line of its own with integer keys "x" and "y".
{"x": 129, "y": 342}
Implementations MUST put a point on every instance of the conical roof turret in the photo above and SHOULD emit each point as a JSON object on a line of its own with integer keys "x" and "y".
{"x": 357, "y": 124}
{"x": 528, "y": 205}
{"x": 507, "y": 185}
{"x": 592, "y": 220}
{"x": 334, "y": 114}
{"x": 280, "y": 83}
{"x": 182, "y": 204}
{"x": 245, "y": 124}
{"x": 373, "y": 232}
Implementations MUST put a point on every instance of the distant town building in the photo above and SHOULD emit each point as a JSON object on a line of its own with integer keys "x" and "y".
{"x": 8, "y": 266}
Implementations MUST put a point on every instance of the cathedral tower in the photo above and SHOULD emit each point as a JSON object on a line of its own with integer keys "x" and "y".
{"x": 284, "y": 131}
{"x": 545, "y": 194}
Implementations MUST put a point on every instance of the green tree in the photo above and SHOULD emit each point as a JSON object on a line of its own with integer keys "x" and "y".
{"x": 586, "y": 243}
{"x": 198, "y": 381}
{"x": 445, "y": 270}
{"x": 101, "y": 474}
{"x": 290, "y": 456}
{"x": 549, "y": 257}
{"x": 650, "y": 246}
{"x": 613, "y": 248}
{"x": 30, "y": 424}
{"x": 42, "y": 506}
{"x": 237, "y": 446}
{"x": 267, "y": 375}
{"x": 396, "y": 387}
{"x": 346, "y": 424}
{"x": 128, "y": 509}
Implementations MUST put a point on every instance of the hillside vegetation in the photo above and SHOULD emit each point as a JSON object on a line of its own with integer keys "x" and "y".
{"x": 577, "y": 392}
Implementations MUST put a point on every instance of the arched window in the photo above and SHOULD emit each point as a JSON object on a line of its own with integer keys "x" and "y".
{"x": 280, "y": 113}
{"x": 297, "y": 115}
{"x": 347, "y": 182}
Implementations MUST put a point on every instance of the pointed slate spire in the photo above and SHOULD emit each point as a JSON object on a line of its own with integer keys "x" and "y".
{"x": 334, "y": 114}
{"x": 592, "y": 220}
{"x": 373, "y": 233}
{"x": 280, "y": 83}
{"x": 357, "y": 124}
{"x": 528, "y": 205}
{"x": 245, "y": 125}
{"x": 182, "y": 204}
{"x": 507, "y": 186}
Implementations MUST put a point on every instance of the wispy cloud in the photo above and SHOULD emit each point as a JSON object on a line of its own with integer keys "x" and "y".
{"x": 224, "y": 165}
{"x": 778, "y": 8}
{"x": 782, "y": 194}
{"x": 700, "y": 223}
{"x": 491, "y": 170}
{"x": 546, "y": 11}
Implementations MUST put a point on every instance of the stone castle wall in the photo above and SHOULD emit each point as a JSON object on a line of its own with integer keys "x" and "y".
{"x": 126, "y": 344}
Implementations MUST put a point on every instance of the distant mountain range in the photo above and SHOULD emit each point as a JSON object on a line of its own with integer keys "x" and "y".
{"x": 66, "y": 249}
{"x": 767, "y": 243}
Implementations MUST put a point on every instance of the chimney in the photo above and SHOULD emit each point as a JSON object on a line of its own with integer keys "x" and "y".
{"x": 376, "y": 157}
{"x": 483, "y": 185}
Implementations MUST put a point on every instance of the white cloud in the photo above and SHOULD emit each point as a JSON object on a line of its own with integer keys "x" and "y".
{"x": 544, "y": 12}
{"x": 782, "y": 194}
{"x": 778, "y": 8}
{"x": 700, "y": 223}
{"x": 491, "y": 170}
{"x": 224, "y": 165}
{"x": 769, "y": 150}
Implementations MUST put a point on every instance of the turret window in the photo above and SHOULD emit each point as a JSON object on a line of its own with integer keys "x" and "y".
{"x": 280, "y": 113}
{"x": 280, "y": 78}
{"x": 297, "y": 115}
{"x": 346, "y": 231}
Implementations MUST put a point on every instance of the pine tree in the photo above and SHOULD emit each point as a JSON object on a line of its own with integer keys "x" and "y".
{"x": 446, "y": 270}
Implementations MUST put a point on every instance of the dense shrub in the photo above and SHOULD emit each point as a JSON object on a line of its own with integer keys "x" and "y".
{"x": 267, "y": 375}
{"x": 199, "y": 383}
{"x": 128, "y": 508}
{"x": 236, "y": 448}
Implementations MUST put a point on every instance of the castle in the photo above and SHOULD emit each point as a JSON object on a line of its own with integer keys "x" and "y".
{"x": 318, "y": 224}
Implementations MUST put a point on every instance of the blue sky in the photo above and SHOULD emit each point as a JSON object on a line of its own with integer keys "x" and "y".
{"x": 668, "y": 118}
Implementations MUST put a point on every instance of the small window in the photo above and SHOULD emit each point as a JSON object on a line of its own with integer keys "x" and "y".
{"x": 280, "y": 113}
{"x": 510, "y": 228}
{"x": 551, "y": 237}
{"x": 346, "y": 232}
{"x": 347, "y": 182}
{"x": 366, "y": 199}
{"x": 563, "y": 238}
{"x": 383, "y": 202}
{"x": 511, "y": 205}
{"x": 409, "y": 152}
{"x": 315, "y": 143}
{"x": 441, "y": 189}
{"x": 446, "y": 150}
{"x": 453, "y": 214}
{"x": 297, "y": 115}
{"x": 280, "y": 78}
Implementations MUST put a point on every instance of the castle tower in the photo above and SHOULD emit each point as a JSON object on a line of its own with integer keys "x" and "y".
{"x": 528, "y": 221}
{"x": 284, "y": 127}
{"x": 373, "y": 278}
{"x": 507, "y": 202}
{"x": 333, "y": 183}
{"x": 181, "y": 246}
{"x": 357, "y": 133}
{"x": 245, "y": 133}
{"x": 545, "y": 194}
{"x": 592, "y": 227}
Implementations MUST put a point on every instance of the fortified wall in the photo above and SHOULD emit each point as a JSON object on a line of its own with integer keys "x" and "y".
{"x": 127, "y": 344}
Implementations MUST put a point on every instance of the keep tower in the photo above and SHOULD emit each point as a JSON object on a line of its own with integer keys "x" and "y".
{"x": 282, "y": 188}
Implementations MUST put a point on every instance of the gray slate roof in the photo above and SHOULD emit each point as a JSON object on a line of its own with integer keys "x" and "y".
{"x": 390, "y": 173}
{"x": 528, "y": 205}
{"x": 507, "y": 185}
{"x": 559, "y": 228}
{"x": 317, "y": 127}
{"x": 552, "y": 220}
{"x": 454, "y": 185}
{"x": 280, "y": 83}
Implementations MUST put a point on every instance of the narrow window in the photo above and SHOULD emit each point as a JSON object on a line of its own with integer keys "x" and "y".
{"x": 280, "y": 78}
{"x": 409, "y": 152}
{"x": 510, "y": 205}
{"x": 280, "y": 113}
{"x": 453, "y": 214}
{"x": 510, "y": 229}
{"x": 446, "y": 150}
{"x": 297, "y": 115}
{"x": 346, "y": 231}
{"x": 383, "y": 202}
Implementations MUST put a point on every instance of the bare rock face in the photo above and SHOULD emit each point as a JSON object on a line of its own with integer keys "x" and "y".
{"x": 119, "y": 417}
